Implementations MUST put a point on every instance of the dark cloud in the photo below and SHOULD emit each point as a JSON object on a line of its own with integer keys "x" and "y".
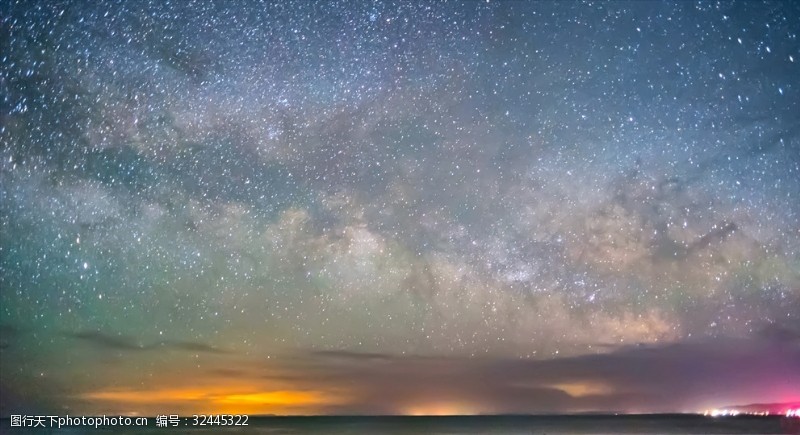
{"x": 105, "y": 341}
{"x": 189, "y": 346}
{"x": 781, "y": 333}
{"x": 8, "y": 334}
{"x": 350, "y": 356}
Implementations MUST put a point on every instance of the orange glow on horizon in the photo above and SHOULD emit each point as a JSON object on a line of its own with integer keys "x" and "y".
{"x": 221, "y": 399}
{"x": 440, "y": 409}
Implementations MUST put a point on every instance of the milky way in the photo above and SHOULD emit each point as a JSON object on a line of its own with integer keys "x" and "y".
{"x": 398, "y": 207}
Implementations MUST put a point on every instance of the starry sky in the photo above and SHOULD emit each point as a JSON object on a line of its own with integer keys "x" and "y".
{"x": 300, "y": 207}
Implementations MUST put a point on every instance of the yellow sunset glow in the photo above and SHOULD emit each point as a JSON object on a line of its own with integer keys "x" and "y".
{"x": 434, "y": 409}
{"x": 216, "y": 399}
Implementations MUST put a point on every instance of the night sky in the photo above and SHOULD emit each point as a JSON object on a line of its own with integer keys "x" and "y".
{"x": 398, "y": 207}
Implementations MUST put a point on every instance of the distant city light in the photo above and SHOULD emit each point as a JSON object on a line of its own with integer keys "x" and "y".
{"x": 733, "y": 413}
{"x": 722, "y": 413}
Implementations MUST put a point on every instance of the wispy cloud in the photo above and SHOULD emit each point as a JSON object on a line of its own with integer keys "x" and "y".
{"x": 105, "y": 341}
